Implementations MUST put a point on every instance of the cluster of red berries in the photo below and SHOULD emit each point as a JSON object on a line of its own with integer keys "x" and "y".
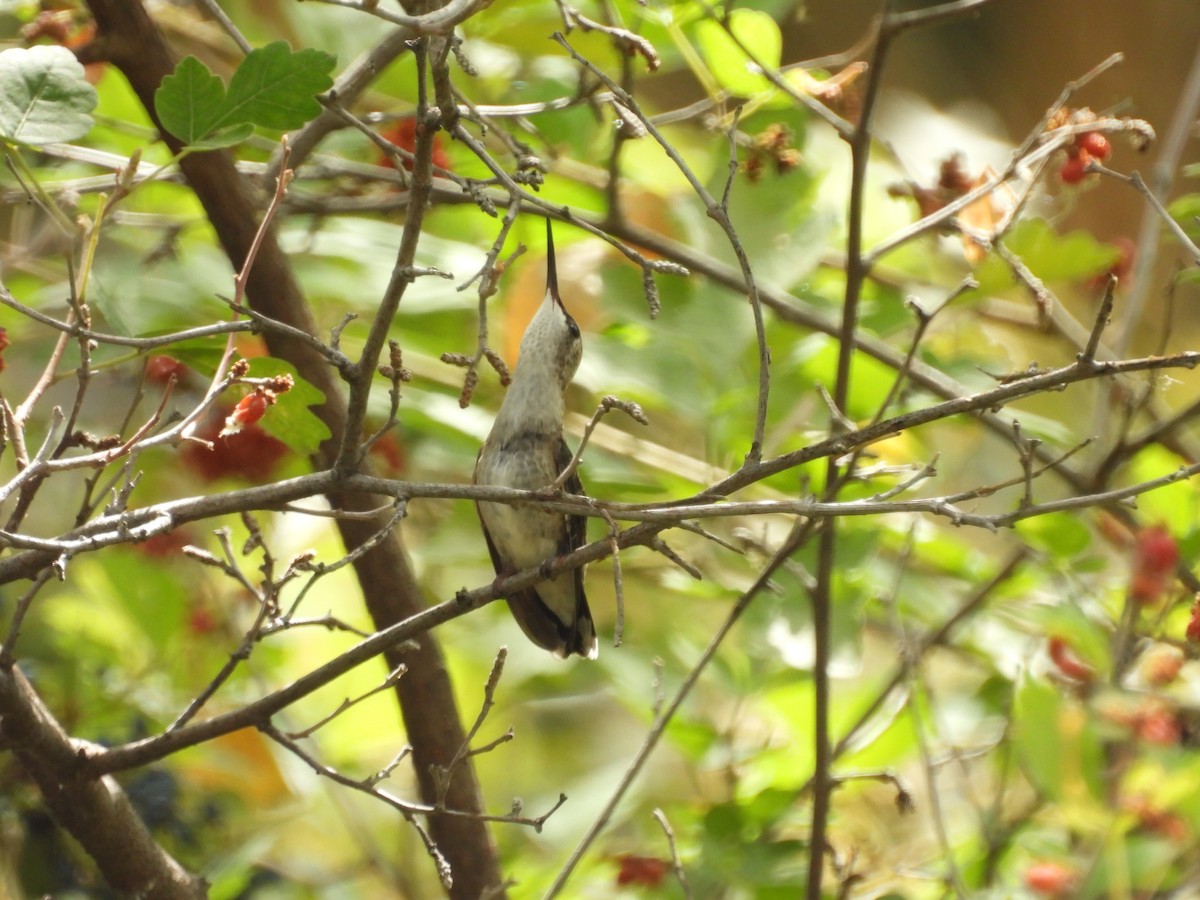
{"x": 1086, "y": 147}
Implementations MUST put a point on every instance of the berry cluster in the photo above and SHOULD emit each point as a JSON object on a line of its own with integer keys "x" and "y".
{"x": 1086, "y": 147}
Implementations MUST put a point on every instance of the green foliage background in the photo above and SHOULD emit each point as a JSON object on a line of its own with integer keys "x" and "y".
{"x": 1006, "y": 761}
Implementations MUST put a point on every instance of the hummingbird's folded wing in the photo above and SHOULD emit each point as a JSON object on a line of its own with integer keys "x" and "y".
{"x": 584, "y": 636}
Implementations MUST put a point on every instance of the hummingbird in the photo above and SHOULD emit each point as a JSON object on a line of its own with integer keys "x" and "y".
{"x": 526, "y": 450}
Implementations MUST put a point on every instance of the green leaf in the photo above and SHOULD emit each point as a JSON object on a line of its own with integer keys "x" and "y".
{"x": 1186, "y": 210}
{"x": 225, "y": 137}
{"x": 1038, "y": 712}
{"x": 291, "y": 419}
{"x": 1050, "y": 256}
{"x": 1060, "y": 535}
{"x": 189, "y": 101}
{"x": 276, "y": 88}
{"x": 44, "y": 98}
{"x": 731, "y": 67}
{"x": 271, "y": 88}
{"x": 1056, "y": 744}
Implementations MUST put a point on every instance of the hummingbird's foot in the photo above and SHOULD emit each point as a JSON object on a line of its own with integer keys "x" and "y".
{"x": 545, "y": 568}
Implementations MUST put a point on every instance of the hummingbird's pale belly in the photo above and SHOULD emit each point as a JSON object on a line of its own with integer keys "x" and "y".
{"x": 524, "y": 535}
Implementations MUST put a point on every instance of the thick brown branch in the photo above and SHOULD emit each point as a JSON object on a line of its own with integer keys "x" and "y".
{"x": 94, "y": 810}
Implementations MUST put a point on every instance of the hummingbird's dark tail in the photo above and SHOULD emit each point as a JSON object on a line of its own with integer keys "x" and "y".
{"x": 545, "y": 629}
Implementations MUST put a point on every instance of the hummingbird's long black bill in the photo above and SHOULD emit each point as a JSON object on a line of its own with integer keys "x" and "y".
{"x": 551, "y": 268}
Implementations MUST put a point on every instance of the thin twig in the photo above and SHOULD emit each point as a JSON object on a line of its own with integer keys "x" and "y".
{"x": 443, "y": 774}
{"x": 214, "y": 10}
{"x": 718, "y": 214}
{"x": 667, "y": 714}
{"x": 676, "y": 865}
{"x": 349, "y": 702}
{"x": 440, "y": 21}
{"x": 1102, "y": 319}
{"x": 1136, "y": 181}
{"x": 607, "y": 403}
{"x": 410, "y": 811}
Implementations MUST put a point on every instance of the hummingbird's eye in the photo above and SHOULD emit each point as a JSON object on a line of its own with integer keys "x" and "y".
{"x": 572, "y": 327}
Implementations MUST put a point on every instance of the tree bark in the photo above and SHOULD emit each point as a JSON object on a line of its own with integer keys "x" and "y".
{"x": 95, "y": 811}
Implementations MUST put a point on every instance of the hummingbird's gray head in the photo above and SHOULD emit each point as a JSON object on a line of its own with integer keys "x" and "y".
{"x": 551, "y": 345}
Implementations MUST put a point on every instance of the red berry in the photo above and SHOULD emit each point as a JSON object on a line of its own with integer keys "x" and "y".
{"x": 1094, "y": 144}
{"x": 1068, "y": 663}
{"x": 164, "y": 545}
{"x": 1074, "y": 169}
{"x": 1050, "y": 879}
{"x": 1193, "y": 625}
{"x": 1155, "y": 556}
{"x": 1159, "y": 821}
{"x": 248, "y": 411}
{"x": 1156, "y": 551}
{"x": 390, "y": 454}
{"x": 201, "y": 621}
{"x": 1121, "y": 269}
{"x": 1147, "y": 587}
{"x": 1161, "y": 664}
{"x": 403, "y": 133}
{"x": 1159, "y": 726}
{"x": 159, "y": 369}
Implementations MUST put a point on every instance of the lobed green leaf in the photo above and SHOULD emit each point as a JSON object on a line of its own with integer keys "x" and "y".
{"x": 271, "y": 88}
{"x": 189, "y": 101}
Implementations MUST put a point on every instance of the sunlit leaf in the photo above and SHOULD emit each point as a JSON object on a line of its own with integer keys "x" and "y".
{"x": 1056, "y": 743}
{"x": 1058, "y": 534}
{"x": 728, "y": 62}
{"x": 1050, "y": 256}
{"x": 44, "y": 97}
